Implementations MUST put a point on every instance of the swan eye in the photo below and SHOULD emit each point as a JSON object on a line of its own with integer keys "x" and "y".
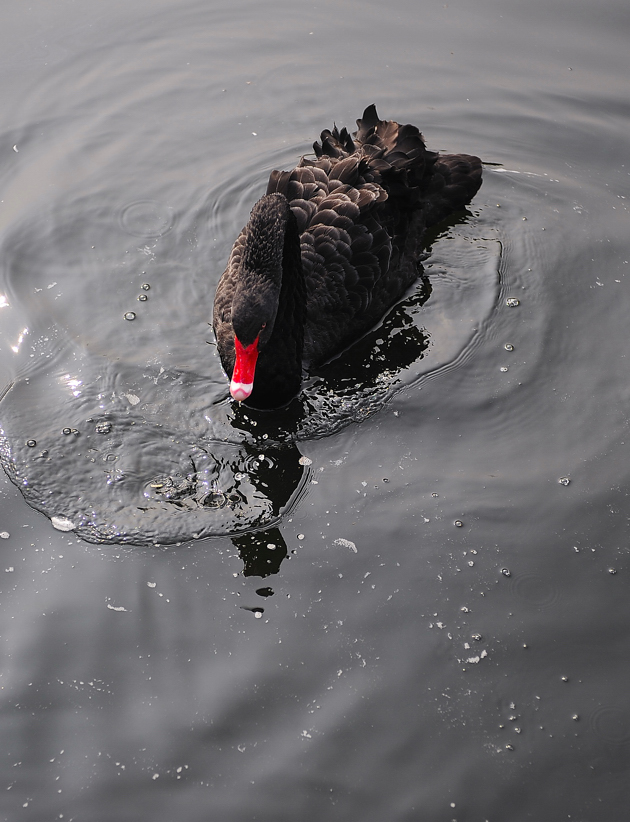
{"x": 264, "y": 325}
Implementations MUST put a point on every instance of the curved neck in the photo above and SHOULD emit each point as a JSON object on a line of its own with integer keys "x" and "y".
{"x": 279, "y": 367}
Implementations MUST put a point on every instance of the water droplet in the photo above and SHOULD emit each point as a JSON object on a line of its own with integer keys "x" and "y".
{"x": 145, "y": 286}
{"x": 564, "y": 481}
{"x": 130, "y": 315}
{"x": 512, "y": 302}
{"x": 31, "y": 443}
{"x": 509, "y": 347}
{"x": 506, "y": 572}
{"x": 142, "y": 298}
{"x": 458, "y": 523}
{"x": 256, "y": 611}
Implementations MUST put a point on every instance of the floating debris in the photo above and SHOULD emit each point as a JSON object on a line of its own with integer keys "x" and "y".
{"x": 512, "y": 302}
{"x": 346, "y": 543}
{"x": 564, "y": 481}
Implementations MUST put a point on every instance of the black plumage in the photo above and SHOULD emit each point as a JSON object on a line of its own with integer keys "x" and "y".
{"x": 330, "y": 247}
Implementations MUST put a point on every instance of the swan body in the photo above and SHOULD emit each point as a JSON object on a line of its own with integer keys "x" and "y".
{"x": 328, "y": 249}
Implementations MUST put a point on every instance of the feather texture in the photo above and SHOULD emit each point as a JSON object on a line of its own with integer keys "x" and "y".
{"x": 337, "y": 241}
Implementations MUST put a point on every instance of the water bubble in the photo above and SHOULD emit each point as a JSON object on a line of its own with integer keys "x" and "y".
{"x": 509, "y": 347}
{"x": 575, "y": 717}
{"x": 506, "y": 572}
{"x": 130, "y": 315}
{"x": 476, "y": 637}
{"x": 31, "y": 443}
{"x": 564, "y": 678}
{"x": 611, "y": 724}
{"x": 536, "y": 588}
{"x": 504, "y": 368}
{"x": 147, "y": 218}
{"x": 142, "y": 298}
{"x": 145, "y": 286}
{"x": 300, "y": 536}
{"x": 612, "y": 570}
{"x": 305, "y": 461}
{"x": 214, "y": 499}
{"x": 512, "y": 302}
{"x": 434, "y": 494}
{"x": 564, "y": 481}
{"x": 67, "y": 431}
{"x": 103, "y": 427}
{"x": 458, "y": 523}
{"x": 4, "y": 535}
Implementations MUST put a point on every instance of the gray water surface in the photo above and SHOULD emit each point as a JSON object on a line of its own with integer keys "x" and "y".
{"x": 404, "y": 598}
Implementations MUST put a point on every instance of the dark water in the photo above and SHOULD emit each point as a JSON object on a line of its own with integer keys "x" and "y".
{"x": 383, "y": 603}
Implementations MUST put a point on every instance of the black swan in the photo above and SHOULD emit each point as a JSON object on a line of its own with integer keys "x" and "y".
{"x": 328, "y": 249}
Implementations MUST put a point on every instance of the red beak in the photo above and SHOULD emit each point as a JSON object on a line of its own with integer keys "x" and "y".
{"x": 243, "y": 375}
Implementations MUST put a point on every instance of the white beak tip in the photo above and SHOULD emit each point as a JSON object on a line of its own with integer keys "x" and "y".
{"x": 240, "y": 390}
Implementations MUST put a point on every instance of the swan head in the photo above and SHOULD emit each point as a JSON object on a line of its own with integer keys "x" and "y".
{"x": 253, "y": 316}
